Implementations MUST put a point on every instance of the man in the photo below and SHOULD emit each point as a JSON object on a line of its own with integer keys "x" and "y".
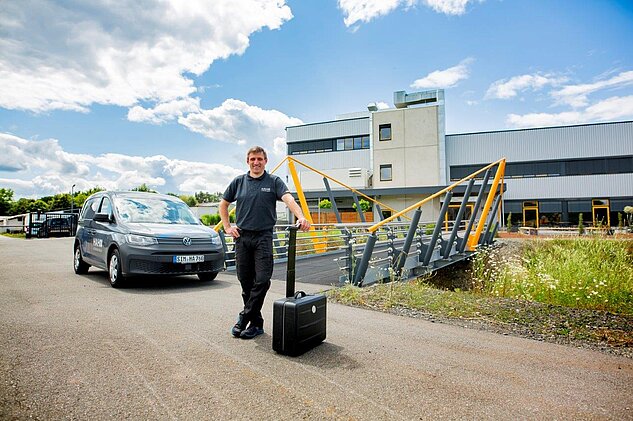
{"x": 256, "y": 193}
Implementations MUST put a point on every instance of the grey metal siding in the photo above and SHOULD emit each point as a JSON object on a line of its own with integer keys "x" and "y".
{"x": 593, "y": 140}
{"x": 328, "y": 130}
{"x": 581, "y": 186}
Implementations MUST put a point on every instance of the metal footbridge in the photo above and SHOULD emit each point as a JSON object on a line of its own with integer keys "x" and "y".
{"x": 400, "y": 247}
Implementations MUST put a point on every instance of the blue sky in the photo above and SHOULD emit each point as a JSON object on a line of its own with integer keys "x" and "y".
{"x": 172, "y": 93}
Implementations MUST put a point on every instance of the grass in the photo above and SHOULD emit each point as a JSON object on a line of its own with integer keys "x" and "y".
{"x": 12, "y": 235}
{"x": 594, "y": 273}
{"x": 566, "y": 291}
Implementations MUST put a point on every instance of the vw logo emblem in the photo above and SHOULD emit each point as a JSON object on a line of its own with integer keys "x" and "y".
{"x": 186, "y": 241}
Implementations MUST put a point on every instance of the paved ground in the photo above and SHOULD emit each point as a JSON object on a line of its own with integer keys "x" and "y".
{"x": 71, "y": 347}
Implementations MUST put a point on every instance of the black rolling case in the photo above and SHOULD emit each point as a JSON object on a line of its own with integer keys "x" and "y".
{"x": 299, "y": 320}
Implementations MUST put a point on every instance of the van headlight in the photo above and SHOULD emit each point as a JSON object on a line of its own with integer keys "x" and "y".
{"x": 140, "y": 240}
{"x": 215, "y": 239}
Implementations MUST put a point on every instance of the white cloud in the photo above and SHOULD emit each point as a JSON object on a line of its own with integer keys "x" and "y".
{"x": 238, "y": 122}
{"x": 366, "y": 10}
{"x": 509, "y": 88}
{"x": 448, "y": 7}
{"x": 577, "y": 95}
{"x": 610, "y": 109}
{"x": 42, "y": 167}
{"x": 382, "y": 105}
{"x": 165, "y": 111}
{"x": 68, "y": 55}
{"x": 444, "y": 78}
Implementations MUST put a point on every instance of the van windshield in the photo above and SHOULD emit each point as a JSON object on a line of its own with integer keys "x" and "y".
{"x": 154, "y": 210}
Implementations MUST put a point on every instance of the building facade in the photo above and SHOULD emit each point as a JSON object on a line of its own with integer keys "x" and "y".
{"x": 401, "y": 155}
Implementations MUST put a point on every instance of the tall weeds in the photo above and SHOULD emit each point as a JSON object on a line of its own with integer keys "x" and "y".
{"x": 590, "y": 273}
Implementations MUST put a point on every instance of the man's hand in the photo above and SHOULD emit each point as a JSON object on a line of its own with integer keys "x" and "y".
{"x": 303, "y": 224}
{"x": 233, "y": 231}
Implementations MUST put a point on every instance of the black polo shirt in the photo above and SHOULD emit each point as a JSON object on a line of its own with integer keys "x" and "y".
{"x": 256, "y": 200}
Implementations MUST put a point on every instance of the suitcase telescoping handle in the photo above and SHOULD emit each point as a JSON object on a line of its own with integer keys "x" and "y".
{"x": 292, "y": 253}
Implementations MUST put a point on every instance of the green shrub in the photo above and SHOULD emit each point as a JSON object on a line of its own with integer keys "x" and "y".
{"x": 325, "y": 204}
{"x": 213, "y": 219}
{"x": 581, "y": 226}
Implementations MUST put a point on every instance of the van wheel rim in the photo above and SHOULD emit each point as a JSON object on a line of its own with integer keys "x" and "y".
{"x": 77, "y": 257}
{"x": 114, "y": 266}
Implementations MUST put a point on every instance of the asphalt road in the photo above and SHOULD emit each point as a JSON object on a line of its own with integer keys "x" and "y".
{"x": 72, "y": 347}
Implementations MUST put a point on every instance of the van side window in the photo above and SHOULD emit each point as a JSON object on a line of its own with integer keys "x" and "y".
{"x": 89, "y": 209}
{"x": 106, "y": 207}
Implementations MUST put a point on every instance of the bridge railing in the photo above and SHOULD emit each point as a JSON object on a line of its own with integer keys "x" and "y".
{"x": 424, "y": 251}
{"x": 391, "y": 249}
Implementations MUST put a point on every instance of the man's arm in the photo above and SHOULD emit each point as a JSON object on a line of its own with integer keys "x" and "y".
{"x": 304, "y": 224}
{"x": 226, "y": 222}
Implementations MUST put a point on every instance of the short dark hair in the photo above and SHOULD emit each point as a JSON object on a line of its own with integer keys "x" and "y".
{"x": 256, "y": 149}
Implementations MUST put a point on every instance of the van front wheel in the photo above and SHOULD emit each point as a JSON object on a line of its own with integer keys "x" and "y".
{"x": 115, "y": 273}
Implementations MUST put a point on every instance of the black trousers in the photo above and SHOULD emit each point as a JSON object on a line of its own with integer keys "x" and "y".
{"x": 254, "y": 267}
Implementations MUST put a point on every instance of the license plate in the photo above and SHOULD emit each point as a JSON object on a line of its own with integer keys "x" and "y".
{"x": 189, "y": 259}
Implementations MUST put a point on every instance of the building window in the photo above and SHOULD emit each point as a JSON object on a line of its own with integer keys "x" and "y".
{"x": 329, "y": 145}
{"x": 563, "y": 167}
{"x": 384, "y": 131}
{"x": 385, "y": 172}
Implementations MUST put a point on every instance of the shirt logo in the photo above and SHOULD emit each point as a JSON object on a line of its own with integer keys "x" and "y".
{"x": 266, "y": 189}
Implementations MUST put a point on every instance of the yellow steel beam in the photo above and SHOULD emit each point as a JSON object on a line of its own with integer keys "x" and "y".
{"x": 473, "y": 239}
{"x": 322, "y": 174}
{"x": 319, "y": 247}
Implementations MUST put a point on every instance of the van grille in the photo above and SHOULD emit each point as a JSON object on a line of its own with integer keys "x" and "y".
{"x": 166, "y": 268}
{"x": 178, "y": 241}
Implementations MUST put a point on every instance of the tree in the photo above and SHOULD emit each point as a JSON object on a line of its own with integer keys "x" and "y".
{"x": 143, "y": 188}
{"x": 205, "y": 197}
{"x": 189, "y": 200}
{"x": 6, "y": 200}
{"x": 80, "y": 197}
{"x": 39, "y": 205}
{"x": 60, "y": 201}
{"x": 21, "y": 206}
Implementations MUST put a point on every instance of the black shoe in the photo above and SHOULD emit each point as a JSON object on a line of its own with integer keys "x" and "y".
{"x": 251, "y": 332}
{"x": 239, "y": 327}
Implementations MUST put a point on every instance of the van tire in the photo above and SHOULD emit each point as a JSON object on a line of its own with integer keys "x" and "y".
{"x": 81, "y": 267}
{"x": 115, "y": 274}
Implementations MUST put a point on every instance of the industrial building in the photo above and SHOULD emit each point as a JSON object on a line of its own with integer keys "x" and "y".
{"x": 402, "y": 155}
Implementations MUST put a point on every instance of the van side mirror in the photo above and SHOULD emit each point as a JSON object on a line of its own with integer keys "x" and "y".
{"x": 103, "y": 217}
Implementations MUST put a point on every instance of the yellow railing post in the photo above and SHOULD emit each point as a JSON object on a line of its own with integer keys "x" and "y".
{"x": 473, "y": 239}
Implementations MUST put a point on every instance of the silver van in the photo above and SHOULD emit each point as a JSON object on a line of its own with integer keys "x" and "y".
{"x": 137, "y": 233}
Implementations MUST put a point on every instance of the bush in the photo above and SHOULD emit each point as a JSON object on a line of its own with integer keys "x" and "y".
{"x": 214, "y": 219}
{"x": 365, "y": 206}
{"x": 325, "y": 204}
{"x": 581, "y": 226}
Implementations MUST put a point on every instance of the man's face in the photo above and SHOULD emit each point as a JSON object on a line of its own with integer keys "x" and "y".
{"x": 256, "y": 163}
